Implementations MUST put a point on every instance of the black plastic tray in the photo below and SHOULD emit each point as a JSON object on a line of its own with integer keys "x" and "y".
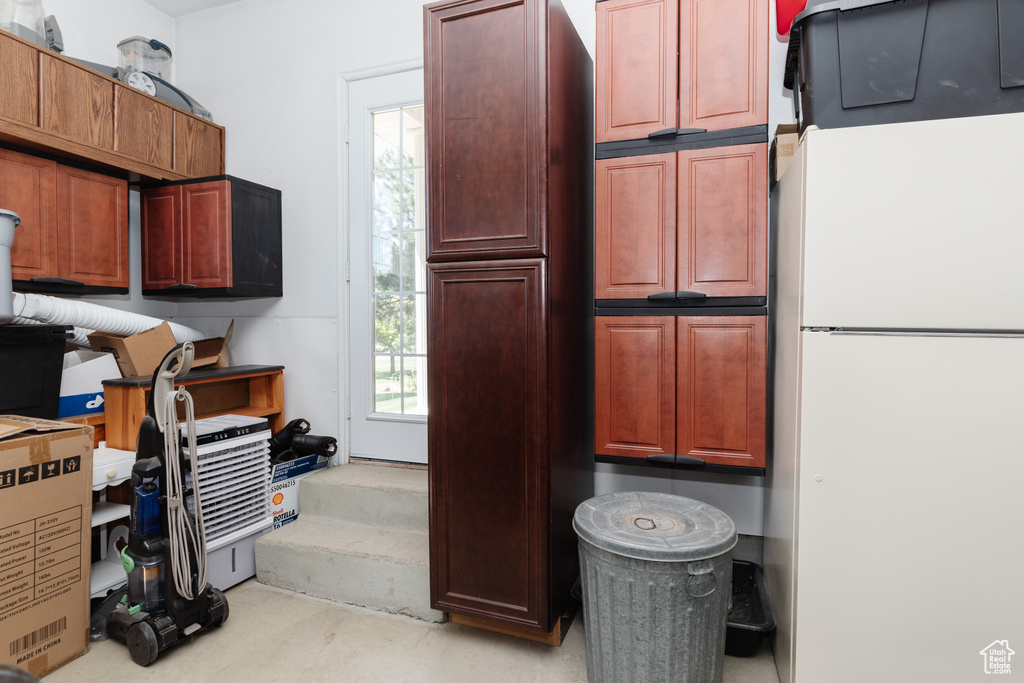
{"x": 751, "y": 618}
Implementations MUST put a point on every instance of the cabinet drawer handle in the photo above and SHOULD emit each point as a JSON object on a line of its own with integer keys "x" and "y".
{"x": 183, "y": 285}
{"x": 669, "y": 132}
{"x": 675, "y": 459}
{"x": 57, "y": 281}
{"x": 676, "y": 295}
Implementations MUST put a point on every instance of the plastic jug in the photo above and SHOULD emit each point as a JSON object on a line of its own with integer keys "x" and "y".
{"x": 25, "y": 19}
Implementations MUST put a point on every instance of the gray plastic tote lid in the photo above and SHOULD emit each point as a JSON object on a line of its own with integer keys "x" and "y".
{"x": 655, "y": 526}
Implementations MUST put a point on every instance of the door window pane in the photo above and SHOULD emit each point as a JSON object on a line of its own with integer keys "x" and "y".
{"x": 399, "y": 266}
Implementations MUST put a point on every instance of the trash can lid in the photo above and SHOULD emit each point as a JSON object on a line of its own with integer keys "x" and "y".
{"x": 655, "y": 526}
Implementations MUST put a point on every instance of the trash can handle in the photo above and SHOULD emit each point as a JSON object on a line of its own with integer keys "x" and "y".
{"x": 645, "y": 523}
{"x": 701, "y": 582}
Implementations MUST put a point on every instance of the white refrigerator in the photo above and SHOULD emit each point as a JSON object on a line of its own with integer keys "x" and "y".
{"x": 894, "y": 508}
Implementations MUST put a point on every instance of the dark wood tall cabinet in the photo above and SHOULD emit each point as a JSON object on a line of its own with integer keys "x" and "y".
{"x": 508, "y": 93}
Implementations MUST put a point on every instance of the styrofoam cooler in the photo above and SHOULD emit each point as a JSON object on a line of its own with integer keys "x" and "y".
{"x": 657, "y": 580}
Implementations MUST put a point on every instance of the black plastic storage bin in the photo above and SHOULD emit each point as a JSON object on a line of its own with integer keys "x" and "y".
{"x": 31, "y": 362}
{"x": 863, "y": 62}
{"x": 751, "y": 618}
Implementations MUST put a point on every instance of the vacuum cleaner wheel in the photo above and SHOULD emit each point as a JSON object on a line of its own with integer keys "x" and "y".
{"x": 142, "y": 643}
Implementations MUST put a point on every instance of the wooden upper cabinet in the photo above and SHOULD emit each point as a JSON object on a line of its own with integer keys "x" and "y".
{"x": 635, "y": 226}
{"x": 206, "y": 234}
{"x": 28, "y": 186}
{"x": 92, "y": 227}
{"x": 198, "y": 147}
{"x": 58, "y": 106}
{"x": 723, "y": 63}
{"x": 19, "y": 81}
{"x": 488, "y": 438}
{"x": 634, "y": 383}
{"x": 723, "y": 221}
{"x": 686, "y": 64}
{"x": 161, "y": 237}
{"x": 77, "y": 103}
{"x": 486, "y": 162}
{"x": 722, "y": 389}
{"x": 145, "y": 127}
{"x": 636, "y": 81}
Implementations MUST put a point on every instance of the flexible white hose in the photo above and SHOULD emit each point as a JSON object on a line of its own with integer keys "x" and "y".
{"x": 181, "y": 534}
{"x": 55, "y": 311}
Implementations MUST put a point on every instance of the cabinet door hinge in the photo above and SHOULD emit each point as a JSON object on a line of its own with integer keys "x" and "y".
{"x": 348, "y": 271}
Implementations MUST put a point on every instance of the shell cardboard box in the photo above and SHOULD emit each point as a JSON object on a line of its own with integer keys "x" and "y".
{"x": 45, "y": 542}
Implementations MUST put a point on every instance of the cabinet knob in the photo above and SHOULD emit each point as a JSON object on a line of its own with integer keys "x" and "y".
{"x": 111, "y": 473}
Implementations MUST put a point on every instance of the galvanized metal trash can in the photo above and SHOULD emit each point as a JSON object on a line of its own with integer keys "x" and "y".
{"x": 657, "y": 580}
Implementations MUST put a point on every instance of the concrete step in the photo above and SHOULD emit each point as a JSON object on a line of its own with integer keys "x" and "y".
{"x": 380, "y": 568}
{"x": 372, "y": 495}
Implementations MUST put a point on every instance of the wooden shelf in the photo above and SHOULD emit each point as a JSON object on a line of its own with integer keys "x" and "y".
{"x": 256, "y": 390}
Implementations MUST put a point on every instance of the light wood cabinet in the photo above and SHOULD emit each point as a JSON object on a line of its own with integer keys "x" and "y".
{"x": 686, "y": 390}
{"x": 695, "y": 220}
{"x": 74, "y": 231}
{"x": 55, "y": 105}
{"x": 685, "y": 64}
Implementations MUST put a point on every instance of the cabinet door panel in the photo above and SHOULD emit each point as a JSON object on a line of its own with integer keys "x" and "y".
{"x": 19, "y": 81}
{"x": 634, "y": 383}
{"x": 206, "y": 234}
{"x": 144, "y": 127}
{"x": 635, "y": 226}
{"x": 161, "y": 237}
{"x": 198, "y": 147}
{"x": 77, "y": 104}
{"x": 722, "y": 380}
{"x": 636, "y": 68}
{"x": 488, "y": 434}
{"x": 28, "y": 187}
{"x": 93, "y": 227}
{"x": 723, "y": 63}
{"x": 485, "y": 141}
{"x": 723, "y": 221}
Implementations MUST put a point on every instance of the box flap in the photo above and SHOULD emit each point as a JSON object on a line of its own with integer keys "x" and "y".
{"x": 139, "y": 354}
{"x": 213, "y": 352}
{"x": 17, "y": 424}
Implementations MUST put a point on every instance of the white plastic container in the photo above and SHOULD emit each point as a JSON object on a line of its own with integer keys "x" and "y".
{"x": 24, "y": 18}
{"x": 8, "y": 222}
{"x": 142, "y": 54}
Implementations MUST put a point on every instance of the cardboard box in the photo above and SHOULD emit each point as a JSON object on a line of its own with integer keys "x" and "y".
{"x": 284, "y": 487}
{"x": 81, "y": 383}
{"x": 45, "y": 542}
{"x": 139, "y": 355}
{"x": 782, "y": 150}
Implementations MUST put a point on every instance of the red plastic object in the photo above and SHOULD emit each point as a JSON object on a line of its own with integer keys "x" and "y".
{"x": 785, "y": 12}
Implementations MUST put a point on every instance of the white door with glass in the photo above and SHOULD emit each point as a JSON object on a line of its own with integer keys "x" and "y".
{"x": 387, "y": 250}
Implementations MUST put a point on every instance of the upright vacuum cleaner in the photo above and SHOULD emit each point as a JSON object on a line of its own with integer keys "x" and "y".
{"x": 168, "y": 598}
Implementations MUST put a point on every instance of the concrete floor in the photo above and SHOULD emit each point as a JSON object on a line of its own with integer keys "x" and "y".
{"x": 276, "y": 635}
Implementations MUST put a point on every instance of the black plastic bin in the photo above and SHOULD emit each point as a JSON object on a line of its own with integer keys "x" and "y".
{"x": 864, "y": 62}
{"x": 751, "y": 619}
{"x": 31, "y": 361}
